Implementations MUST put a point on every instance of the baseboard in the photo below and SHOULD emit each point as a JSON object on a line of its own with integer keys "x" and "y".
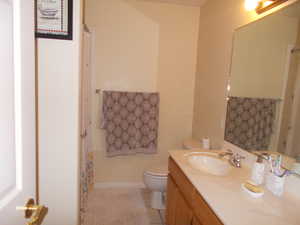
{"x": 119, "y": 185}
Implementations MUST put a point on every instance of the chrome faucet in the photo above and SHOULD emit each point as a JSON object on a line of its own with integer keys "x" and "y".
{"x": 235, "y": 159}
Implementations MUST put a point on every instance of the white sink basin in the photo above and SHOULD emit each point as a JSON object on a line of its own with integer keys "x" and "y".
{"x": 209, "y": 162}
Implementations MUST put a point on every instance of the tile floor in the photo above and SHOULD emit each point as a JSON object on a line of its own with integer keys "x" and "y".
{"x": 122, "y": 206}
{"x": 157, "y": 217}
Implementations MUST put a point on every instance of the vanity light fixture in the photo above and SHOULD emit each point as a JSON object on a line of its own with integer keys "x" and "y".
{"x": 261, "y": 6}
{"x": 251, "y": 4}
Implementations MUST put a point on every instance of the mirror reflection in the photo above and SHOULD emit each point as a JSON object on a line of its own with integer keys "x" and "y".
{"x": 263, "y": 112}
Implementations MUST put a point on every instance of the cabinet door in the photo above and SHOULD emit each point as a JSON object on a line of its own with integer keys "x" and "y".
{"x": 203, "y": 212}
{"x": 172, "y": 193}
{"x": 196, "y": 222}
{"x": 183, "y": 214}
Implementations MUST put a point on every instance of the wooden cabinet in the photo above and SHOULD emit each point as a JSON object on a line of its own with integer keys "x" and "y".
{"x": 196, "y": 222}
{"x": 178, "y": 211}
{"x": 172, "y": 193}
{"x": 183, "y": 213}
{"x": 203, "y": 212}
{"x": 185, "y": 205}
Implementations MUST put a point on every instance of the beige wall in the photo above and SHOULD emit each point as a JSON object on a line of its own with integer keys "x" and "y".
{"x": 218, "y": 21}
{"x": 144, "y": 46}
{"x": 259, "y": 57}
{"x": 296, "y": 130}
{"x": 58, "y": 90}
{"x": 182, "y": 2}
{"x": 284, "y": 142}
{"x": 295, "y": 142}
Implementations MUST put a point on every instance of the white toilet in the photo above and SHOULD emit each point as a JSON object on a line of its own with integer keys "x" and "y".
{"x": 156, "y": 178}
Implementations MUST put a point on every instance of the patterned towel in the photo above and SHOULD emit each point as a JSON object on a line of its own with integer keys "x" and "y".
{"x": 130, "y": 120}
{"x": 250, "y": 122}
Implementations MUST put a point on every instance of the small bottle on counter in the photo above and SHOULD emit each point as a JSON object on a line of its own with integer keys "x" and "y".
{"x": 206, "y": 143}
{"x": 258, "y": 171}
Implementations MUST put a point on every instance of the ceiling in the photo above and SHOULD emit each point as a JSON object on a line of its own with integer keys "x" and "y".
{"x": 182, "y": 2}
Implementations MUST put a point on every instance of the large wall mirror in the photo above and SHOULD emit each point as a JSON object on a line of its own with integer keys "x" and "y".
{"x": 263, "y": 111}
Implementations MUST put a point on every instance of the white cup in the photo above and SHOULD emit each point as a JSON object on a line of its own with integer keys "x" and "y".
{"x": 275, "y": 184}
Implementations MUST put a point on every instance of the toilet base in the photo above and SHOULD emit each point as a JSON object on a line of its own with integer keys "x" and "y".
{"x": 158, "y": 200}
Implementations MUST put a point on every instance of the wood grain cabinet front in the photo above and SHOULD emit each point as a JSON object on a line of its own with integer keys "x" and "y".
{"x": 196, "y": 222}
{"x": 178, "y": 211}
{"x": 203, "y": 212}
{"x": 183, "y": 213}
{"x": 185, "y": 205}
{"x": 172, "y": 193}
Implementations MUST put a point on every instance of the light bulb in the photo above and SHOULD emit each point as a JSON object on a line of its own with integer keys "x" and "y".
{"x": 228, "y": 87}
{"x": 251, "y": 4}
{"x": 267, "y": 3}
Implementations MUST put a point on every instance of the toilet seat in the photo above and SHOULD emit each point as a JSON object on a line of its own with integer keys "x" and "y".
{"x": 160, "y": 171}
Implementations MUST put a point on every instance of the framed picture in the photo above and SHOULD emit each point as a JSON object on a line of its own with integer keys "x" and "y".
{"x": 54, "y": 19}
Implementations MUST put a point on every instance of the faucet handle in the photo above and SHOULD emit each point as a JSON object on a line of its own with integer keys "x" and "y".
{"x": 237, "y": 156}
{"x": 229, "y": 151}
{"x": 266, "y": 156}
{"x": 225, "y": 153}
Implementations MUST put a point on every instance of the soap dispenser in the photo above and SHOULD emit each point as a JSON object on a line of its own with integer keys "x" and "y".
{"x": 258, "y": 171}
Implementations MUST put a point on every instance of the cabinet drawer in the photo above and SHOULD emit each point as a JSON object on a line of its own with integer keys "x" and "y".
{"x": 203, "y": 211}
{"x": 181, "y": 181}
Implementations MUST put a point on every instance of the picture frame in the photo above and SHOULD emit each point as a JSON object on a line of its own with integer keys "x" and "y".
{"x": 54, "y": 19}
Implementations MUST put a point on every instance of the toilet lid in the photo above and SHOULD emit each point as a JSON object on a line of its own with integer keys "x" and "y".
{"x": 158, "y": 171}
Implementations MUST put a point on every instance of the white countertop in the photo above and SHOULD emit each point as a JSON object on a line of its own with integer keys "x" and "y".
{"x": 234, "y": 206}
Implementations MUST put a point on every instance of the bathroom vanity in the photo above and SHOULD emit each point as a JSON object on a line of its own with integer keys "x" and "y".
{"x": 196, "y": 197}
{"x": 185, "y": 204}
{"x": 263, "y": 114}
